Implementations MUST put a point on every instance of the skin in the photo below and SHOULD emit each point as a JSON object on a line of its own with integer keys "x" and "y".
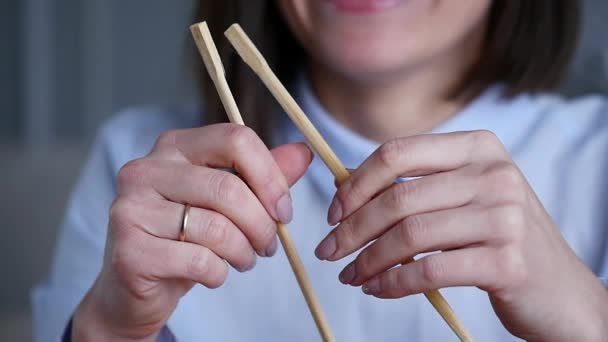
{"x": 471, "y": 201}
{"x": 145, "y": 270}
{"x": 363, "y": 64}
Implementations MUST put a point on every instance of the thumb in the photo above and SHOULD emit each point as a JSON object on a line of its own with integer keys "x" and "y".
{"x": 293, "y": 160}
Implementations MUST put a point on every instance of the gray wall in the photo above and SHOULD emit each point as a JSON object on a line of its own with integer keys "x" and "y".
{"x": 66, "y": 65}
{"x": 85, "y": 60}
{"x": 589, "y": 72}
{"x": 10, "y": 12}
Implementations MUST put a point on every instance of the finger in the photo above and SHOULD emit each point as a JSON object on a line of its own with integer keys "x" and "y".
{"x": 293, "y": 160}
{"x": 426, "y": 194}
{"x": 429, "y": 232}
{"x": 168, "y": 259}
{"x": 461, "y": 267}
{"x": 193, "y": 262}
{"x": 410, "y": 157}
{"x": 204, "y": 227}
{"x": 216, "y": 232}
{"x": 238, "y": 147}
{"x": 218, "y": 191}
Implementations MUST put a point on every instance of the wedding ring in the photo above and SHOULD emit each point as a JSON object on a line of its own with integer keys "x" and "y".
{"x": 182, "y": 232}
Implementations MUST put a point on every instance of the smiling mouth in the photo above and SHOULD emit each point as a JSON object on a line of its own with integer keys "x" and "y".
{"x": 363, "y": 6}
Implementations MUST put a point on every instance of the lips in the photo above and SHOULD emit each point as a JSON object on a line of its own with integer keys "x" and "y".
{"x": 363, "y": 6}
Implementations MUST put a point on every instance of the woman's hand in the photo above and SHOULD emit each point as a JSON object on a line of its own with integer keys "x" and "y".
{"x": 146, "y": 269}
{"x": 472, "y": 203}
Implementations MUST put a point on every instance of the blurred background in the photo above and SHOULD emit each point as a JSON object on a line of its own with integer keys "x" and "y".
{"x": 67, "y": 65}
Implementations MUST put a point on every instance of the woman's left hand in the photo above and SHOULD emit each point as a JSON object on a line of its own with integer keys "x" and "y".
{"x": 473, "y": 204}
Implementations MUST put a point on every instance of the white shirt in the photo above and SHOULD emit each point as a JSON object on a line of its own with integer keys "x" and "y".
{"x": 561, "y": 147}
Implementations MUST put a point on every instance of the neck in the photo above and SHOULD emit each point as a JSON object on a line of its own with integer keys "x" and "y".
{"x": 412, "y": 102}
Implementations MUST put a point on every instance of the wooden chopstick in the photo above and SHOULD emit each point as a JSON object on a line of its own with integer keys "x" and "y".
{"x": 213, "y": 63}
{"x": 250, "y": 54}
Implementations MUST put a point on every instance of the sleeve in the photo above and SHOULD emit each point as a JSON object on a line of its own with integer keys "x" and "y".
{"x": 165, "y": 334}
{"x": 79, "y": 248}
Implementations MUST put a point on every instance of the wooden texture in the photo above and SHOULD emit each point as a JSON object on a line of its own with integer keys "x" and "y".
{"x": 215, "y": 68}
{"x": 256, "y": 61}
{"x": 252, "y": 57}
{"x": 213, "y": 63}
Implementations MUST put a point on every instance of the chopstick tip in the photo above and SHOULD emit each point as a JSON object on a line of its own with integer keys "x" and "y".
{"x": 198, "y": 25}
{"x": 233, "y": 27}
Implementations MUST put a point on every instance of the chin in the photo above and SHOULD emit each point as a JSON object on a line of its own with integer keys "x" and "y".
{"x": 364, "y": 65}
{"x": 374, "y": 39}
{"x": 376, "y": 56}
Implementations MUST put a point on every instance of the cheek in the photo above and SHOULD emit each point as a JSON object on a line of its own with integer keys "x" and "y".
{"x": 383, "y": 42}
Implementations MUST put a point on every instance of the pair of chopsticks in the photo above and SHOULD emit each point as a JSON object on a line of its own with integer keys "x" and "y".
{"x": 213, "y": 63}
{"x": 252, "y": 57}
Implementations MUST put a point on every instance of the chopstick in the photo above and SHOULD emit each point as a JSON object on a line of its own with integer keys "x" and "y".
{"x": 251, "y": 56}
{"x": 213, "y": 63}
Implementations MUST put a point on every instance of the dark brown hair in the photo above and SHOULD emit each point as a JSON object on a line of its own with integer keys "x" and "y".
{"x": 528, "y": 45}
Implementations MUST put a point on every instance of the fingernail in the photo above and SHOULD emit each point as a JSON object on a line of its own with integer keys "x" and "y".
{"x": 334, "y": 215}
{"x": 348, "y": 274}
{"x": 251, "y": 265}
{"x": 326, "y": 248}
{"x": 272, "y": 249}
{"x": 372, "y": 287}
{"x": 285, "y": 209}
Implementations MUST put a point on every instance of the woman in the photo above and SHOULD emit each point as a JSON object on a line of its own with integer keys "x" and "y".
{"x": 512, "y": 198}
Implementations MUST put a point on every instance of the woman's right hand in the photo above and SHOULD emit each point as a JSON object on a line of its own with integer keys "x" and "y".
{"x": 146, "y": 269}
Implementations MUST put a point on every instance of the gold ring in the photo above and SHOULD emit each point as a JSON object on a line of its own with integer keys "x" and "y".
{"x": 182, "y": 232}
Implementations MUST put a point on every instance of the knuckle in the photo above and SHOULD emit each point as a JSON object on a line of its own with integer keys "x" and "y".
{"x": 121, "y": 256}
{"x": 485, "y": 140}
{"x": 484, "y": 136}
{"x": 399, "y": 195}
{"x": 167, "y": 138}
{"x": 396, "y": 283}
{"x": 241, "y": 137}
{"x": 121, "y": 216}
{"x": 364, "y": 261}
{"x": 507, "y": 177}
{"x": 350, "y": 193}
{"x": 346, "y": 235}
{"x": 199, "y": 264}
{"x": 400, "y": 282}
{"x": 510, "y": 265}
{"x": 433, "y": 269}
{"x": 391, "y": 151}
{"x": 509, "y": 174}
{"x": 411, "y": 231}
{"x": 133, "y": 172}
{"x": 390, "y": 281}
{"x": 226, "y": 187}
{"x": 214, "y": 231}
{"x": 361, "y": 263}
{"x": 511, "y": 220}
{"x": 119, "y": 262}
{"x": 202, "y": 265}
